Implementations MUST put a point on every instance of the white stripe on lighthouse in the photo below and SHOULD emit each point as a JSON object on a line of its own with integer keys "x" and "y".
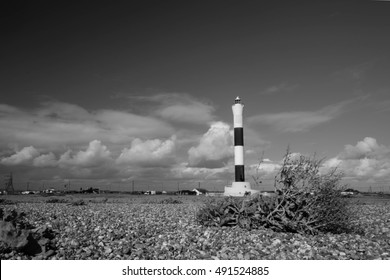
{"x": 238, "y": 155}
{"x": 238, "y": 119}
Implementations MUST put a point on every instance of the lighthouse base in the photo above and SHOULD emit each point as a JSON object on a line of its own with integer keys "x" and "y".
{"x": 239, "y": 189}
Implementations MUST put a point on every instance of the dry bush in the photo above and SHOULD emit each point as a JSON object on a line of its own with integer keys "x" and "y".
{"x": 236, "y": 211}
{"x": 306, "y": 201}
{"x": 309, "y": 201}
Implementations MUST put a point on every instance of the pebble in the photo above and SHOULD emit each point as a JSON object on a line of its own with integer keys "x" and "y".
{"x": 49, "y": 253}
{"x": 74, "y": 243}
{"x": 276, "y": 242}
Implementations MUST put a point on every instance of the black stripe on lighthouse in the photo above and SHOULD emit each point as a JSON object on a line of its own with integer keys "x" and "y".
{"x": 239, "y": 173}
{"x": 238, "y": 136}
{"x": 239, "y": 142}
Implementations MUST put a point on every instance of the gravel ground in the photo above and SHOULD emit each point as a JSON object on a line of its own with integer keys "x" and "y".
{"x": 169, "y": 231}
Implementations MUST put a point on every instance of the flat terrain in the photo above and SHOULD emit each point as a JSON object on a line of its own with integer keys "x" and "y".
{"x": 113, "y": 226}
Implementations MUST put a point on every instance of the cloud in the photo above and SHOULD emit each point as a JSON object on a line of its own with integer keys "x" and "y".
{"x": 303, "y": 120}
{"x": 148, "y": 152}
{"x": 330, "y": 164}
{"x": 266, "y": 169}
{"x": 7, "y": 109}
{"x": 292, "y": 121}
{"x": 214, "y": 148}
{"x": 188, "y": 113}
{"x": 95, "y": 155}
{"x": 63, "y": 111}
{"x": 181, "y": 108}
{"x": 367, "y": 160}
{"x": 46, "y": 160}
{"x": 122, "y": 127}
{"x": 57, "y": 124}
{"x": 24, "y": 156}
{"x": 368, "y": 148}
{"x": 183, "y": 171}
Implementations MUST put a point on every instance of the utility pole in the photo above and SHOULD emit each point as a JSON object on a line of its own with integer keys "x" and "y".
{"x": 132, "y": 186}
{"x": 9, "y": 185}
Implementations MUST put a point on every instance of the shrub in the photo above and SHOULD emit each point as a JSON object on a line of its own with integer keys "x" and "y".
{"x": 309, "y": 201}
{"x": 306, "y": 201}
{"x": 17, "y": 218}
{"x": 236, "y": 211}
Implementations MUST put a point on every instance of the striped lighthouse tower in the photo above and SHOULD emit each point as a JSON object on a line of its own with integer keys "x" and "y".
{"x": 239, "y": 187}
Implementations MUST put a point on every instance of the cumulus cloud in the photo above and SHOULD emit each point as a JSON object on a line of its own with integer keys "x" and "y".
{"x": 24, "y": 156}
{"x": 367, "y": 160}
{"x": 148, "y": 152}
{"x": 297, "y": 121}
{"x": 95, "y": 155}
{"x": 184, "y": 171}
{"x": 368, "y": 148}
{"x": 331, "y": 163}
{"x": 214, "y": 147}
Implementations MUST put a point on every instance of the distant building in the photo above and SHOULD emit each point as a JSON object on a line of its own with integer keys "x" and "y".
{"x": 49, "y": 191}
{"x": 185, "y": 192}
{"x": 90, "y": 190}
{"x": 150, "y": 192}
{"x": 200, "y": 191}
{"x": 27, "y": 192}
{"x": 347, "y": 193}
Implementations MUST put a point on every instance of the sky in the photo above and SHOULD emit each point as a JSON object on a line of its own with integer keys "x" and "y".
{"x": 107, "y": 93}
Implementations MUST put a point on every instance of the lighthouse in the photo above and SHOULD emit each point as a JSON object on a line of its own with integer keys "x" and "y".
{"x": 239, "y": 187}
